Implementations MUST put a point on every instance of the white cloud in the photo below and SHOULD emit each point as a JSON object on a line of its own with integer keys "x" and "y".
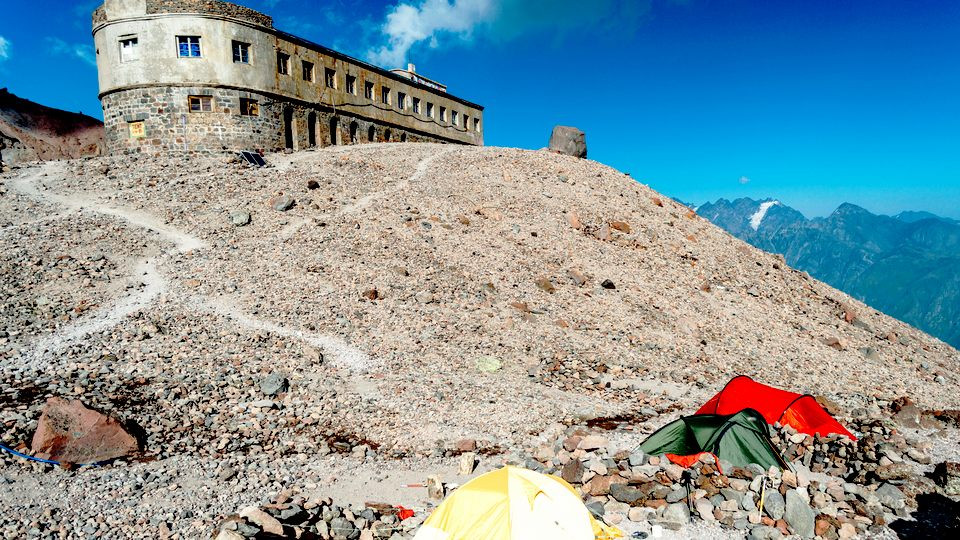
{"x": 4, "y": 48}
{"x": 408, "y": 25}
{"x": 82, "y": 52}
{"x": 744, "y": 180}
{"x": 430, "y": 22}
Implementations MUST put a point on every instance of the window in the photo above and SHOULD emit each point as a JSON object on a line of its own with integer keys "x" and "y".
{"x": 249, "y": 107}
{"x": 330, "y": 77}
{"x": 368, "y": 90}
{"x": 201, "y": 103}
{"x": 476, "y": 125}
{"x": 401, "y": 100}
{"x": 188, "y": 46}
{"x": 351, "y": 85}
{"x": 385, "y": 95}
{"x": 128, "y": 49}
{"x": 283, "y": 63}
{"x": 307, "y": 71}
{"x": 466, "y": 121}
{"x": 429, "y": 110}
{"x": 416, "y": 105}
{"x": 241, "y": 52}
{"x": 453, "y": 117}
{"x": 443, "y": 114}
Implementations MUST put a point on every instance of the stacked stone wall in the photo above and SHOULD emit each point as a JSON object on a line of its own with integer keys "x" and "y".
{"x": 99, "y": 16}
{"x": 211, "y": 7}
{"x": 170, "y": 126}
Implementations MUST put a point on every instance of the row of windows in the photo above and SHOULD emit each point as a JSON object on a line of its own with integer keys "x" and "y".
{"x": 248, "y": 107}
{"x": 189, "y": 47}
{"x": 404, "y": 102}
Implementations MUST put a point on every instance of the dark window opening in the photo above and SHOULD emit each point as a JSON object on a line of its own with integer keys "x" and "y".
{"x": 330, "y": 77}
{"x": 307, "y": 71}
{"x": 351, "y": 85}
{"x": 249, "y": 107}
{"x": 283, "y": 63}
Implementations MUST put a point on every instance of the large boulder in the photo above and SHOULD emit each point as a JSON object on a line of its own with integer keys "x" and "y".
{"x": 799, "y": 516}
{"x": 68, "y": 432}
{"x": 569, "y": 140}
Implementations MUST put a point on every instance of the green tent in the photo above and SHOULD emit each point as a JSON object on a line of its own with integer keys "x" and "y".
{"x": 741, "y": 439}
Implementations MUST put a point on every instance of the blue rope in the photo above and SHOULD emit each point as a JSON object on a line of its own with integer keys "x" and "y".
{"x": 41, "y": 460}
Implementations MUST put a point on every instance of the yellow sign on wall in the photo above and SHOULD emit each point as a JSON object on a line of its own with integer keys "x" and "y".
{"x": 137, "y": 130}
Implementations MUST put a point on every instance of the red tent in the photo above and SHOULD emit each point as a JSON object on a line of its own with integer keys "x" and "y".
{"x": 801, "y": 411}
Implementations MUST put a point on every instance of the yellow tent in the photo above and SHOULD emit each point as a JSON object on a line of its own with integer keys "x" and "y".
{"x": 514, "y": 504}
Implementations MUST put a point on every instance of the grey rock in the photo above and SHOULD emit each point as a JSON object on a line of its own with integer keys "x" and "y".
{"x": 799, "y": 516}
{"x": 676, "y": 514}
{"x": 282, "y": 203}
{"x": 341, "y": 527}
{"x": 891, "y": 497}
{"x": 596, "y": 508}
{"x": 240, "y": 218}
{"x": 773, "y": 504}
{"x": 569, "y": 140}
{"x": 626, "y": 493}
{"x": 274, "y": 384}
{"x": 676, "y": 495}
{"x": 764, "y": 532}
{"x": 637, "y": 458}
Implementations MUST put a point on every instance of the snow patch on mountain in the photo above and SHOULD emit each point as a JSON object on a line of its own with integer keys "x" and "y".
{"x": 761, "y": 212}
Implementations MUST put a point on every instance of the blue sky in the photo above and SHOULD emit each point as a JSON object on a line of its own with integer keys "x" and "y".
{"x": 811, "y": 102}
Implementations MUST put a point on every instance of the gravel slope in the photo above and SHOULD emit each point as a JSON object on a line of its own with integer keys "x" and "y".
{"x": 400, "y": 275}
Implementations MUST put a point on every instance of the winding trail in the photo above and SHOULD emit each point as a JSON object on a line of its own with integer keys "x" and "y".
{"x": 344, "y": 355}
{"x": 152, "y": 283}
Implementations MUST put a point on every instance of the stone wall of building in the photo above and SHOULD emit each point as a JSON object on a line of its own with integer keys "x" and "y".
{"x": 209, "y": 7}
{"x": 169, "y": 125}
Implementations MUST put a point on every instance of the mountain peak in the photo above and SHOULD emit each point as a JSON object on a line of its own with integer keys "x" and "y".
{"x": 850, "y": 209}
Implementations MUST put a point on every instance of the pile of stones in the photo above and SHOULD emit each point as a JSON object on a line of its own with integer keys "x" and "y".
{"x": 838, "y": 488}
{"x": 297, "y": 517}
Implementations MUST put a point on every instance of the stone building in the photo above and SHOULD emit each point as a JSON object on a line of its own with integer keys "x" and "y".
{"x": 209, "y": 76}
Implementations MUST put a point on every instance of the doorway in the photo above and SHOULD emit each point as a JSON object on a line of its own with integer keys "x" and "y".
{"x": 312, "y": 129}
{"x": 372, "y": 134}
{"x": 288, "y": 128}
{"x": 354, "y": 128}
{"x": 334, "y": 131}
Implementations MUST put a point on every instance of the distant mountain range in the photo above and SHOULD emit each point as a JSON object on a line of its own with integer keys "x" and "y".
{"x": 907, "y": 265}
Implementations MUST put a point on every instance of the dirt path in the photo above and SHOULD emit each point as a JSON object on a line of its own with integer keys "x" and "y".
{"x": 151, "y": 282}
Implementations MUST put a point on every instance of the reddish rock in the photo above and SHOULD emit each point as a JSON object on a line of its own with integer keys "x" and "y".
{"x": 656, "y": 201}
{"x": 466, "y": 445}
{"x": 572, "y": 472}
{"x": 68, "y": 432}
{"x": 655, "y": 503}
{"x": 578, "y": 278}
{"x": 835, "y": 342}
{"x": 621, "y": 226}
{"x": 545, "y": 285}
{"x": 600, "y": 485}
{"x": 573, "y": 218}
{"x": 571, "y": 443}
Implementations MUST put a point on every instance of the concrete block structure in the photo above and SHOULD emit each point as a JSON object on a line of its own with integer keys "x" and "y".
{"x": 209, "y": 76}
